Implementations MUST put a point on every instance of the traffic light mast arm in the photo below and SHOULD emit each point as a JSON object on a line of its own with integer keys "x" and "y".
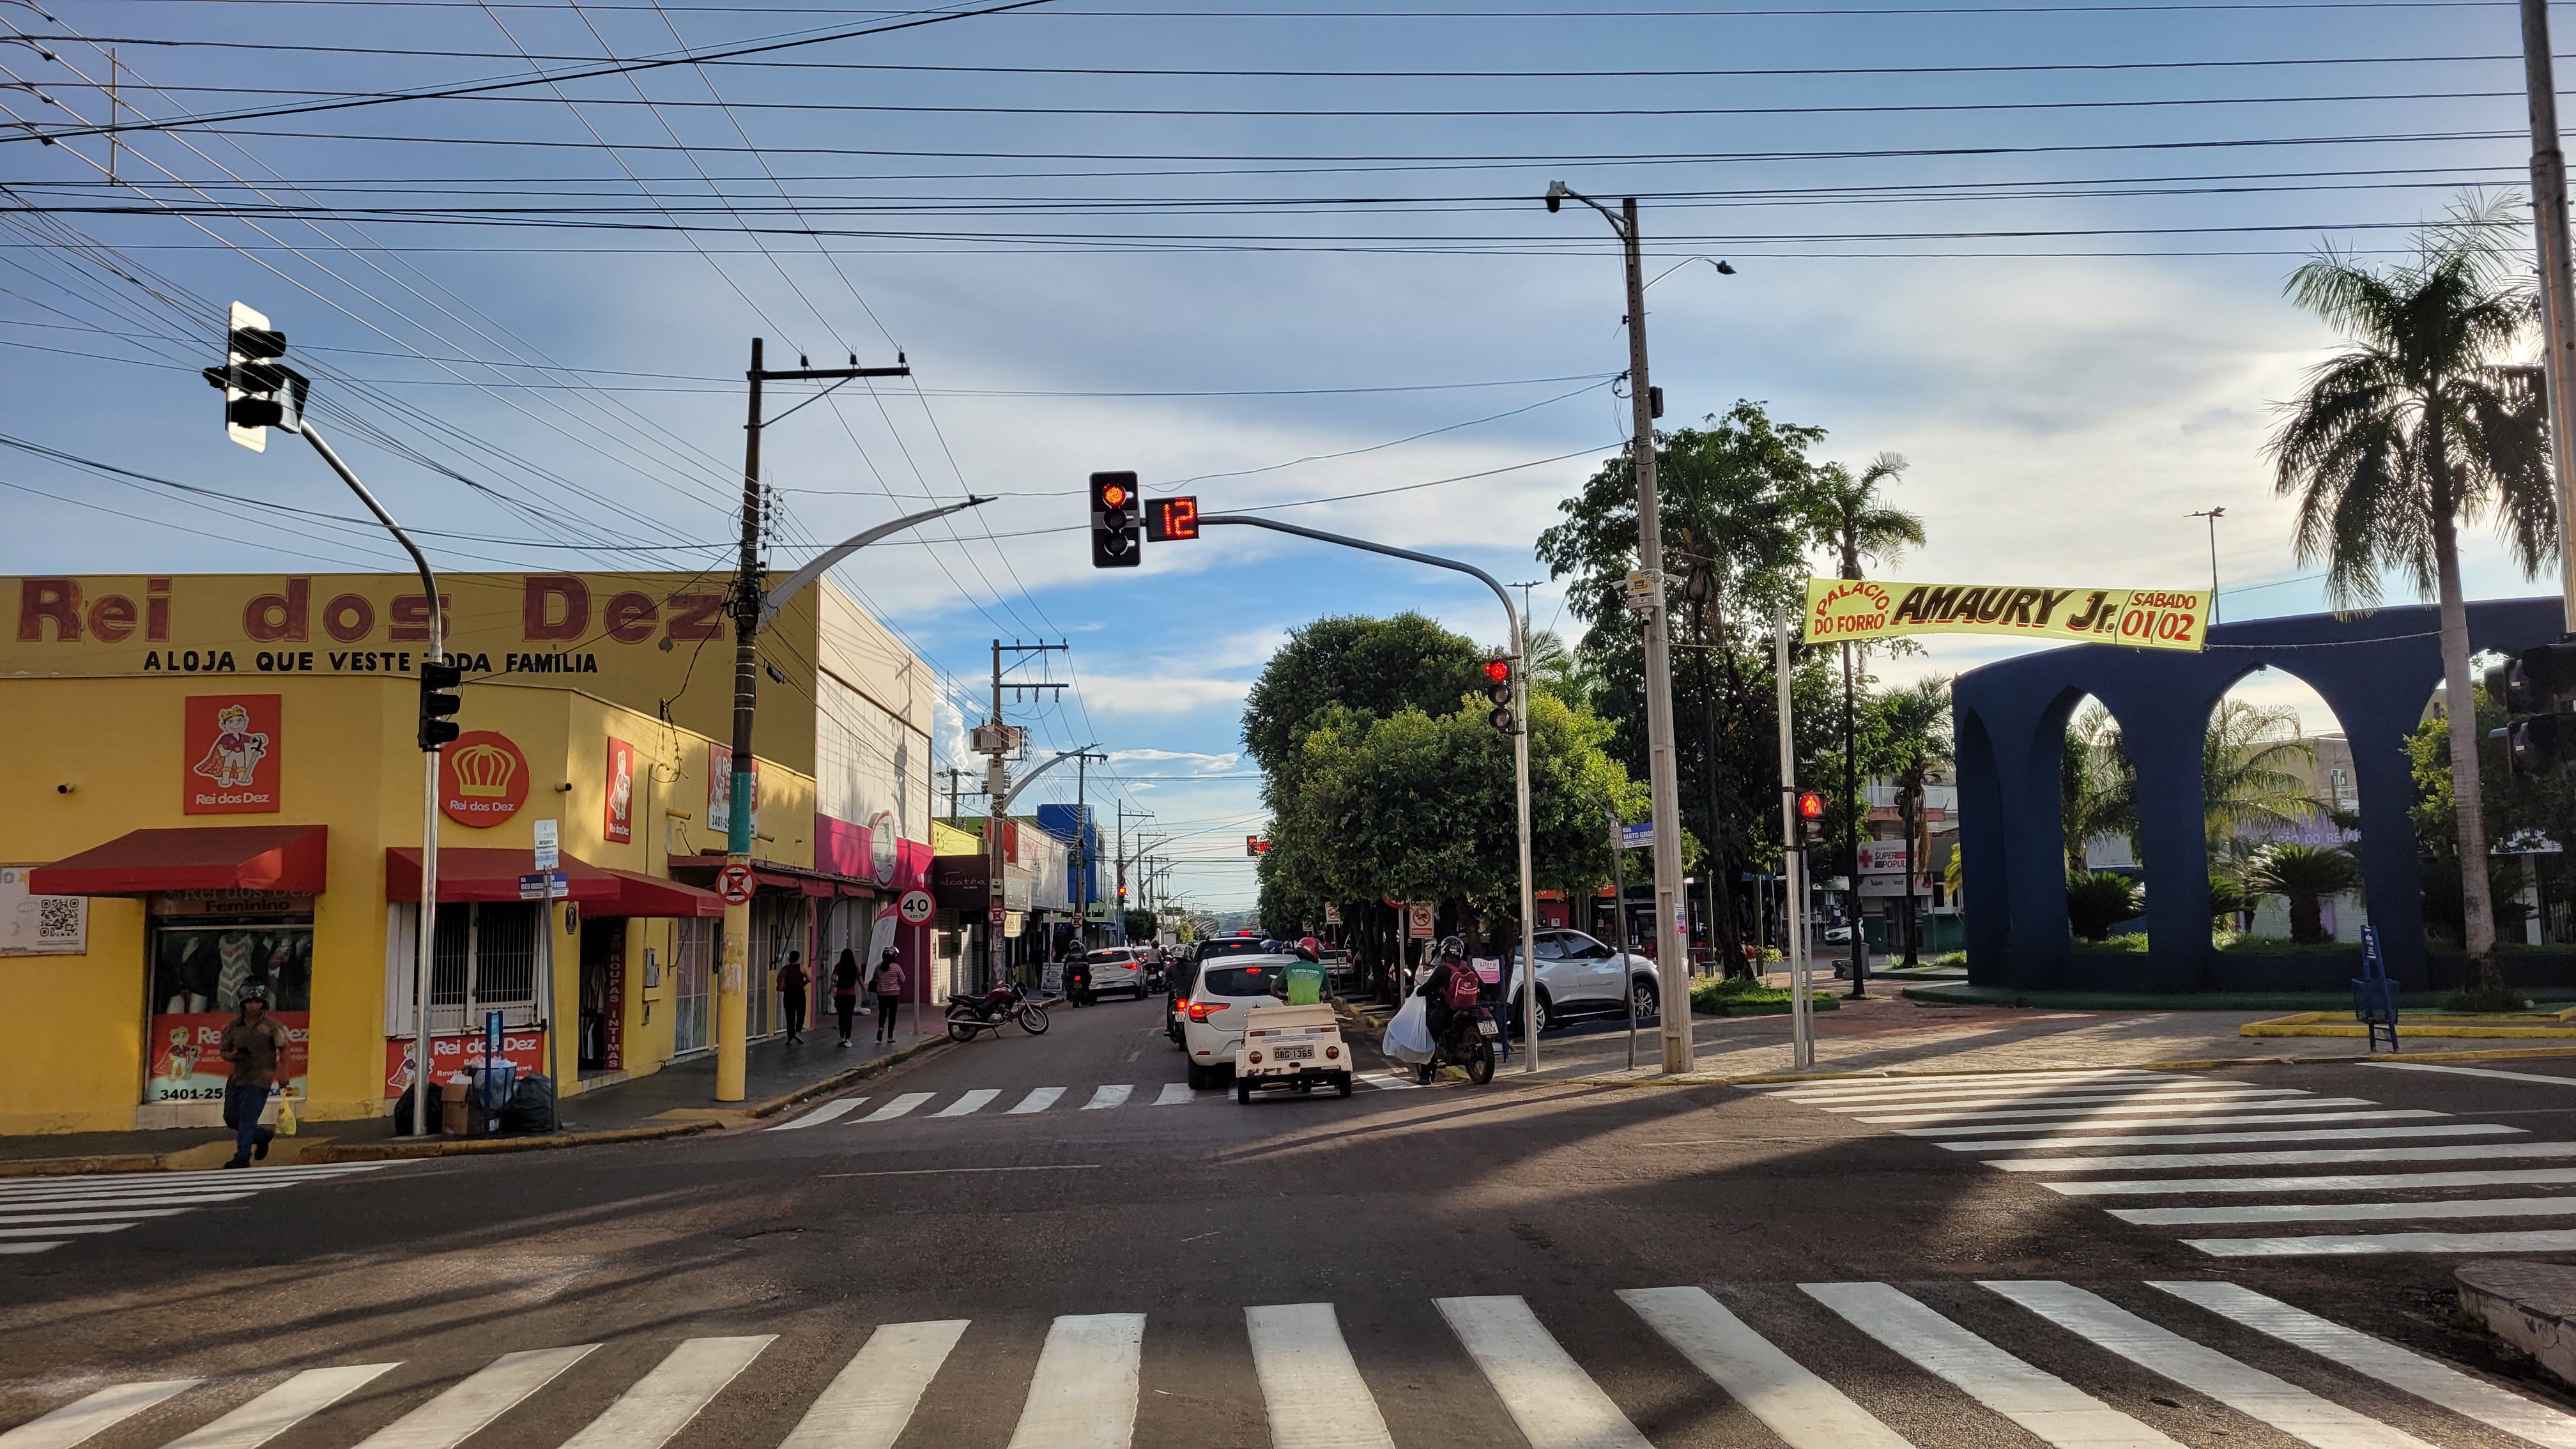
{"x": 776, "y": 599}
{"x": 428, "y": 580}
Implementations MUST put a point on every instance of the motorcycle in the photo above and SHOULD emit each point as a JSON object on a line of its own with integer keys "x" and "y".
{"x": 1077, "y": 986}
{"x": 1005, "y": 1003}
{"x": 1467, "y": 1044}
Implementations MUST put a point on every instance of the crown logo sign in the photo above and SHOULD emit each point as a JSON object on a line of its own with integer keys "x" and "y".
{"x": 483, "y": 772}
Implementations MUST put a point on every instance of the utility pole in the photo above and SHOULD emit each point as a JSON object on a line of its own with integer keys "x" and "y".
{"x": 997, "y": 741}
{"x": 2557, "y": 292}
{"x": 751, "y": 606}
{"x": 1121, "y": 907}
{"x": 1082, "y": 857}
{"x": 954, "y": 775}
{"x": 2213, "y": 515}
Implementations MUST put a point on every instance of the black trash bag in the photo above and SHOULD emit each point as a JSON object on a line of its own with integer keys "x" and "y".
{"x": 531, "y": 1107}
{"x": 403, "y": 1114}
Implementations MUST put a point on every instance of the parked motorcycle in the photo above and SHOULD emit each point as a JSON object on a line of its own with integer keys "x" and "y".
{"x": 1467, "y": 1044}
{"x": 993, "y": 1010}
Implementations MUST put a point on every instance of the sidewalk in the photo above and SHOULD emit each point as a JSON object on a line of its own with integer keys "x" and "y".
{"x": 674, "y": 1101}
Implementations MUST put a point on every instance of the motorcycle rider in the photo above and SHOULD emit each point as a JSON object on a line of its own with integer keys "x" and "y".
{"x": 1077, "y": 979}
{"x": 1434, "y": 990}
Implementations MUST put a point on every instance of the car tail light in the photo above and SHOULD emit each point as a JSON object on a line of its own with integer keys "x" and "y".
{"x": 1202, "y": 1010}
{"x": 1332, "y": 1053}
{"x": 1256, "y": 1059}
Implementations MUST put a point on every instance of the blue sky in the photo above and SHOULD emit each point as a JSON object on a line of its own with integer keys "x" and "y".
{"x": 2037, "y": 249}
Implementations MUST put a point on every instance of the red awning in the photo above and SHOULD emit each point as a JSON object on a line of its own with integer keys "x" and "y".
{"x": 284, "y": 859}
{"x": 490, "y": 873}
{"x": 647, "y": 895}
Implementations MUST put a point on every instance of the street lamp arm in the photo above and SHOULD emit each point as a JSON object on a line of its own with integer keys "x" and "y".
{"x": 775, "y": 599}
{"x": 1031, "y": 777}
{"x": 1558, "y": 189}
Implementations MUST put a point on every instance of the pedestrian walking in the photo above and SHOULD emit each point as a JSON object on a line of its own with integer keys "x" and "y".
{"x": 793, "y": 986}
{"x": 887, "y": 986}
{"x": 256, "y": 1046}
{"x": 845, "y": 990}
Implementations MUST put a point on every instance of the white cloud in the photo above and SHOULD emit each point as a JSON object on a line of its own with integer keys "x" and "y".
{"x": 1122, "y": 696}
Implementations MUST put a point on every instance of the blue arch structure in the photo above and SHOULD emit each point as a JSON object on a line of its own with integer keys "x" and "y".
{"x": 2375, "y": 671}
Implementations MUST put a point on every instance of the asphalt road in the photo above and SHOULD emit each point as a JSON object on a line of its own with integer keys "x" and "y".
{"x": 1080, "y": 1274}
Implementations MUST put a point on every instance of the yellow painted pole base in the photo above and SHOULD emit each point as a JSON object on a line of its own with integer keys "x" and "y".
{"x": 733, "y": 1022}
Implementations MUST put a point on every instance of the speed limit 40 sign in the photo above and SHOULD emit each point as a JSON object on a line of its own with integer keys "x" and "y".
{"x": 915, "y": 907}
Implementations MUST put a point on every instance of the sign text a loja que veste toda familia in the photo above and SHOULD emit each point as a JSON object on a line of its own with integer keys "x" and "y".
{"x": 630, "y": 638}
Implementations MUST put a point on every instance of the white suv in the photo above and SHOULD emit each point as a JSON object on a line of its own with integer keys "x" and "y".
{"x": 1578, "y": 975}
{"x": 1215, "y": 1013}
{"x": 1116, "y": 968}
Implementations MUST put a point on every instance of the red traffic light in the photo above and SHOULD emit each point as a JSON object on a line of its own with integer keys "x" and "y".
{"x": 1113, "y": 495}
{"x": 1499, "y": 670}
{"x": 1811, "y": 806}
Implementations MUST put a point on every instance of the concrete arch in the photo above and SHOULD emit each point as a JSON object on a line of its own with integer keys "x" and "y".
{"x": 2009, "y": 816}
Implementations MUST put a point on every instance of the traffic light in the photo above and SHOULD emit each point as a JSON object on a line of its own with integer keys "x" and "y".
{"x": 1255, "y": 845}
{"x": 438, "y": 701}
{"x": 1811, "y": 818}
{"x": 1116, "y": 512}
{"x": 2537, "y": 687}
{"x": 1169, "y": 520}
{"x": 260, "y": 392}
{"x": 1498, "y": 688}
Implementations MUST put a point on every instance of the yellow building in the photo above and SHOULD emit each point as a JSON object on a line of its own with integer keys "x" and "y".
{"x": 217, "y": 787}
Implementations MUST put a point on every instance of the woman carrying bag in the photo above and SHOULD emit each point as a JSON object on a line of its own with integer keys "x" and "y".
{"x": 887, "y": 986}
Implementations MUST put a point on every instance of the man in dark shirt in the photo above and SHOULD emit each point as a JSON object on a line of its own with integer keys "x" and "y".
{"x": 256, "y": 1046}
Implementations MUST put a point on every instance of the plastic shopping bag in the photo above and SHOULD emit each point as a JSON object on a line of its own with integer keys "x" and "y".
{"x": 286, "y": 1123}
{"x": 1408, "y": 1036}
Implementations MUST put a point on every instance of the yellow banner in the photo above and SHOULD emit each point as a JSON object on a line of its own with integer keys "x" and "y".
{"x": 1839, "y": 609}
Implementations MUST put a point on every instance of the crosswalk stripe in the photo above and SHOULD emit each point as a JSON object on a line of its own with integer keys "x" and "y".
{"x": 898, "y": 1107}
{"x": 2399, "y": 1368}
{"x": 1111, "y": 1096}
{"x": 1555, "y": 1403}
{"x": 1313, "y": 1391}
{"x": 1174, "y": 1093}
{"x": 2136, "y": 1096}
{"x": 2342, "y": 1182}
{"x": 662, "y": 1403}
{"x": 1936, "y": 1090}
{"x": 1804, "y": 1410}
{"x": 83, "y": 1199}
{"x": 1038, "y": 1100}
{"x": 2309, "y": 1212}
{"x": 2246, "y": 1389}
{"x": 281, "y": 1408}
{"x": 2127, "y": 1110}
{"x": 968, "y": 1105}
{"x": 1390, "y": 1081}
{"x": 2477, "y": 1072}
{"x": 2286, "y": 1157}
{"x": 2185, "y": 1139}
{"x": 828, "y": 1112}
{"x": 10, "y": 1219}
{"x": 2551, "y": 1241}
{"x": 2122, "y": 1123}
{"x": 211, "y": 1177}
{"x": 1083, "y": 1395}
{"x": 2046, "y": 1405}
{"x": 93, "y": 1414}
{"x": 18, "y": 1249}
{"x": 464, "y": 1408}
{"x": 871, "y": 1399}
{"x": 1935, "y": 1081}
{"x": 61, "y": 1228}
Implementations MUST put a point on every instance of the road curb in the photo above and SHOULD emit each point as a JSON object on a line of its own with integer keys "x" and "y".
{"x": 485, "y": 1146}
{"x": 840, "y": 1079}
{"x": 2528, "y": 1305}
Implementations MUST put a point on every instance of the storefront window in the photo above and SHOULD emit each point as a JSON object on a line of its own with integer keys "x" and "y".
{"x": 692, "y": 964}
{"x": 203, "y": 963}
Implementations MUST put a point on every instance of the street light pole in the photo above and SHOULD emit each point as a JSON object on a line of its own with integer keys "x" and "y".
{"x": 1672, "y": 943}
{"x": 2557, "y": 290}
{"x": 2213, "y": 515}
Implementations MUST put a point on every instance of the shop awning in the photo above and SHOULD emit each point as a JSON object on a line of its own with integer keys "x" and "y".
{"x": 489, "y": 873}
{"x": 284, "y": 859}
{"x": 770, "y": 875}
{"x": 646, "y": 895}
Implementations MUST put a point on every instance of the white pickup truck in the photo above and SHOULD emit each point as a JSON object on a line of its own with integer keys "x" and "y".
{"x": 1291, "y": 1046}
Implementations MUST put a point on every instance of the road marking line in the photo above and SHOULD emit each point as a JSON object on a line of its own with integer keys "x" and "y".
{"x": 1804, "y": 1410}
{"x": 89, "y": 1199}
{"x": 10, "y": 1219}
{"x": 1888, "y": 1083}
{"x": 968, "y": 1105}
{"x": 2508, "y": 1207}
{"x": 2046, "y": 1405}
{"x": 1105, "y": 1097}
{"x": 1037, "y": 1100}
{"x": 464, "y": 1408}
{"x": 19, "y": 1249}
{"x": 1391, "y": 1082}
{"x": 227, "y": 1178}
{"x": 2246, "y": 1389}
{"x": 898, "y": 1107}
{"x": 2124, "y": 1107}
{"x": 935, "y": 1171}
{"x": 872, "y": 1399}
{"x": 2414, "y": 1114}
{"x": 662, "y": 1403}
{"x": 2399, "y": 1368}
{"x": 2346, "y": 1182}
{"x": 1174, "y": 1093}
{"x": 2548, "y": 1241}
{"x": 281, "y": 1408}
{"x": 2034, "y": 1101}
{"x": 1083, "y": 1395}
{"x": 829, "y": 1111}
{"x": 1555, "y": 1403}
{"x": 60, "y": 1228}
{"x": 2476, "y": 1072}
{"x": 86, "y": 1417}
{"x": 2164, "y": 1139}
{"x": 2014, "y": 1085}
{"x": 2286, "y": 1157}
{"x": 1313, "y": 1391}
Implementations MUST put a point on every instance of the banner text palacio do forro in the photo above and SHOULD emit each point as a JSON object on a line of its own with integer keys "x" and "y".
{"x": 1840, "y": 609}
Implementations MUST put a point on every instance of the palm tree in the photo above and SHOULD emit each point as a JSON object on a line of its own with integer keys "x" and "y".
{"x": 2247, "y": 782}
{"x": 1845, "y": 514}
{"x": 2415, "y": 427}
{"x": 2098, "y": 787}
{"x": 2303, "y": 875}
{"x": 1914, "y": 729}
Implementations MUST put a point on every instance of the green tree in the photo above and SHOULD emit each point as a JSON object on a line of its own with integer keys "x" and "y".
{"x": 1909, "y": 735}
{"x": 1140, "y": 925}
{"x": 2097, "y": 786}
{"x": 2416, "y": 427}
{"x": 2252, "y": 780}
{"x": 2303, "y": 875}
{"x": 1376, "y": 667}
{"x": 2098, "y": 900}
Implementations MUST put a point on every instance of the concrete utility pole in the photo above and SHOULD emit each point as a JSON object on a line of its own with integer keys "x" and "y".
{"x": 1793, "y": 881}
{"x": 2557, "y": 292}
{"x": 2213, "y": 515}
{"x": 1672, "y": 935}
{"x": 997, "y": 741}
{"x": 1082, "y": 857}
